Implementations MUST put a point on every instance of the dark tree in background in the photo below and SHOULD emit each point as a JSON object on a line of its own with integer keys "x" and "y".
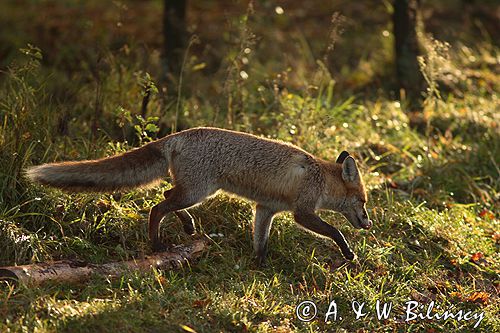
{"x": 407, "y": 49}
{"x": 174, "y": 37}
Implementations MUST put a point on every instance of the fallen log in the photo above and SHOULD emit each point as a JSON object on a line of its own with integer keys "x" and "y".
{"x": 78, "y": 271}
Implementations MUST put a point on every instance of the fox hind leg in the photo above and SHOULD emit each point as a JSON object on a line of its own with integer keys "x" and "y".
{"x": 177, "y": 199}
{"x": 184, "y": 216}
{"x": 261, "y": 228}
{"x": 187, "y": 221}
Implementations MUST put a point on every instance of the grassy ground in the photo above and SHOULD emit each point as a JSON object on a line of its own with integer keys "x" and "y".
{"x": 433, "y": 187}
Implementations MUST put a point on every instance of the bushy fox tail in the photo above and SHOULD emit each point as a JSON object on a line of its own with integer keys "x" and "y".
{"x": 136, "y": 168}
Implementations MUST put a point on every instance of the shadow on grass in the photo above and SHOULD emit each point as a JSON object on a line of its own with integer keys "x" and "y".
{"x": 137, "y": 316}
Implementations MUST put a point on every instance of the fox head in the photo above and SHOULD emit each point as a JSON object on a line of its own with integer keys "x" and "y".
{"x": 346, "y": 193}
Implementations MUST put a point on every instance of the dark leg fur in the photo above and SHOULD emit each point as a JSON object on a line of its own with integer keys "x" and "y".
{"x": 261, "y": 227}
{"x": 183, "y": 215}
{"x": 176, "y": 200}
{"x": 314, "y": 223}
{"x": 187, "y": 221}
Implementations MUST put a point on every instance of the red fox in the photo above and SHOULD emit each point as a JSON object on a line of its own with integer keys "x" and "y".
{"x": 278, "y": 176}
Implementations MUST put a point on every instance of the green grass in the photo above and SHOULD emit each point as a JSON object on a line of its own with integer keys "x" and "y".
{"x": 434, "y": 185}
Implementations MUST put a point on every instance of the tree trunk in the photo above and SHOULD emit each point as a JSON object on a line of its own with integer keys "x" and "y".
{"x": 407, "y": 49}
{"x": 174, "y": 37}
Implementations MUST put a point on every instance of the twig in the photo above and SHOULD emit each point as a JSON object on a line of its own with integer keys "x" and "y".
{"x": 77, "y": 271}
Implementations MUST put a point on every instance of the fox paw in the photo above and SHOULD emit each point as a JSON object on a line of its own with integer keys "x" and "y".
{"x": 349, "y": 256}
{"x": 260, "y": 262}
{"x": 189, "y": 228}
{"x": 160, "y": 247}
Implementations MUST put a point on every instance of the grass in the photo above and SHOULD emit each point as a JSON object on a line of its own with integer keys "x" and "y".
{"x": 433, "y": 177}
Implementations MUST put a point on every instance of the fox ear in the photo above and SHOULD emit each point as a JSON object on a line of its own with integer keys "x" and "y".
{"x": 343, "y": 155}
{"x": 350, "y": 172}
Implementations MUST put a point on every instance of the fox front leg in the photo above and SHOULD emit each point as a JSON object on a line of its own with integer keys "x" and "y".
{"x": 261, "y": 228}
{"x": 314, "y": 223}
